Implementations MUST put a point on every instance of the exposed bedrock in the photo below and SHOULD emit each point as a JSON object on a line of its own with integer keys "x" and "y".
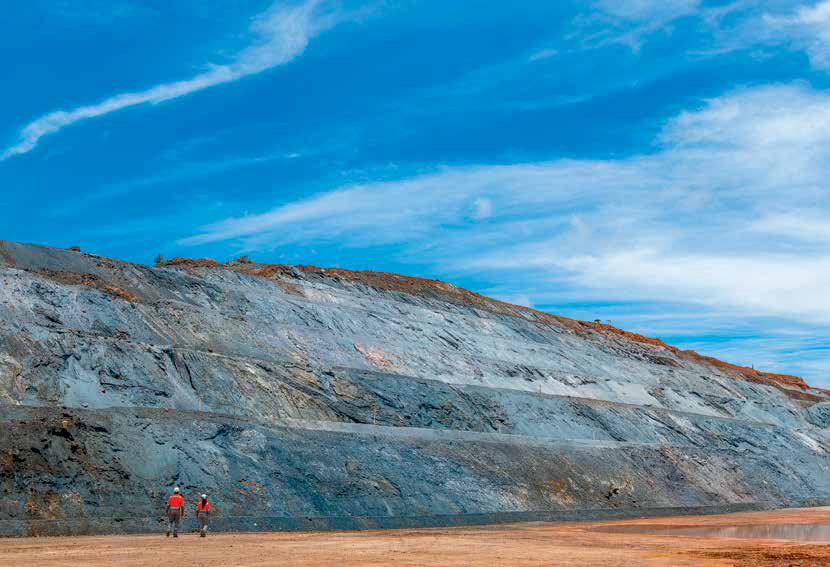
{"x": 303, "y": 398}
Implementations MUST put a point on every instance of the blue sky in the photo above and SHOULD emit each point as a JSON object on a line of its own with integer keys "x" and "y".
{"x": 662, "y": 164}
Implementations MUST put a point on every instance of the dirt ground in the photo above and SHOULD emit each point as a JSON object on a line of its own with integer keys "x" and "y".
{"x": 532, "y": 544}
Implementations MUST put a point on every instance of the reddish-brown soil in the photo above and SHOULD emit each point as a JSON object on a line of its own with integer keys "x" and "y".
{"x": 524, "y": 545}
{"x": 89, "y": 280}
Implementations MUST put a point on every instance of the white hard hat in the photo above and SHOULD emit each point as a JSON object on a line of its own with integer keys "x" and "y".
{"x": 204, "y": 496}
{"x": 176, "y": 489}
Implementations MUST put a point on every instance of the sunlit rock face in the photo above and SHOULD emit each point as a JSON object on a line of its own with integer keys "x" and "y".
{"x": 305, "y": 398}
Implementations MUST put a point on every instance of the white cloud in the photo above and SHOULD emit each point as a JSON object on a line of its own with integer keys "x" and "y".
{"x": 281, "y": 33}
{"x": 482, "y": 208}
{"x": 808, "y": 28}
{"x": 546, "y": 53}
{"x": 648, "y": 9}
{"x": 770, "y": 284}
{"x": 629, "y": 21}
{"x": 756, "y": 25}
{"x": 816, "y": 15}
{"x": 691, "y": 223}
{"x": 802, "y": 225}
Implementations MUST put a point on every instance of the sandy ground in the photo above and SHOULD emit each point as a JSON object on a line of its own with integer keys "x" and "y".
{"x": 533, "y": 544}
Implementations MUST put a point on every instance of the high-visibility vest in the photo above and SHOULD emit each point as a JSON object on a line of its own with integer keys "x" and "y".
{"x": 203, "y": 507}
{"x": 175, "y": 501}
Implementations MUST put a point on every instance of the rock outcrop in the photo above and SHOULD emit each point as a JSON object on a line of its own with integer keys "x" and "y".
{"x": 301, "y": 398}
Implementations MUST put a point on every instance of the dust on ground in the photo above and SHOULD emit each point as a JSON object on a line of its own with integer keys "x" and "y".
{"x": 530, "y": 544}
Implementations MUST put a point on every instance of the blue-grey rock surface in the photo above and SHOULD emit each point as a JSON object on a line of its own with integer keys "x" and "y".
{"x": 303, "y": 398}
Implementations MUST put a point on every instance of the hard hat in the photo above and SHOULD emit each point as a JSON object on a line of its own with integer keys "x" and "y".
{"x": 176, "y": 489}
{"x": 204, "y": 496}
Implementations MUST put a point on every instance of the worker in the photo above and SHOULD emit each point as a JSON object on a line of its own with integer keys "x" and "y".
{"x": 203, "y": 515}
{"x": 175, "y": 512}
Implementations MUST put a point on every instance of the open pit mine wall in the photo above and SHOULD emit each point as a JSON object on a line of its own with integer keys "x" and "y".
{"x": 301, "y": 398}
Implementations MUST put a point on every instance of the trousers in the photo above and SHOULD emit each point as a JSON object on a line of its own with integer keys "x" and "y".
{"x": 174, "y": 518}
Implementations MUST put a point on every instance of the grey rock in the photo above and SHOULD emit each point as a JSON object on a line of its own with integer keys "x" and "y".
{"x": 301, "y": 398}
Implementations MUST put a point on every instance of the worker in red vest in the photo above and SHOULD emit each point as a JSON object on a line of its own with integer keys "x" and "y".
{"x": 203, "y": 515}
{"x": 175, "y": 512}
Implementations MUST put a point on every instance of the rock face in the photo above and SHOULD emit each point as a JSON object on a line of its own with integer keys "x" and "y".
{"x": 303, "y": 398}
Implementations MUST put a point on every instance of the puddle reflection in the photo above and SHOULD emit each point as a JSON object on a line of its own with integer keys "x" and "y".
{"x": 813, "y": 533}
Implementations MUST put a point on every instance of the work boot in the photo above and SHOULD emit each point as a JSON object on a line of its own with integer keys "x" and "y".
{"x": 175, "y": 535}
{"x": 167, "y": 533}
{"x": 201, "y": 534}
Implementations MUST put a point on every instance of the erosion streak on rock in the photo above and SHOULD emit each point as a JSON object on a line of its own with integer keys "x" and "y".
{"x": 302, "y": 397}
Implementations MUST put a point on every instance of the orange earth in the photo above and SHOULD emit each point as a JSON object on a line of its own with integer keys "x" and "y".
{"x": 530, "y": 544}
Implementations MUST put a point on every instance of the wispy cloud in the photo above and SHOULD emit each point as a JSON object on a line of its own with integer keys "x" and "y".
{"x": 691, "y": 224}
{"x": 761, "y": 26}
{"x": 647, "y": 10}
{"x": 545, "y": 53}
{"x": 804, "y": 225}
{"x": 184, "y": 170}
{"x": 482, "y": 208}
{"x": 808, "y": 28}
{"x": 629, "y": 21}
{"x": 757, "y": 25}
{"x": 281, "y": 34}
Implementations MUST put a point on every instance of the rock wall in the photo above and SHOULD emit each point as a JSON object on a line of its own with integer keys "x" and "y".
{"x": 303, "y": 398}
